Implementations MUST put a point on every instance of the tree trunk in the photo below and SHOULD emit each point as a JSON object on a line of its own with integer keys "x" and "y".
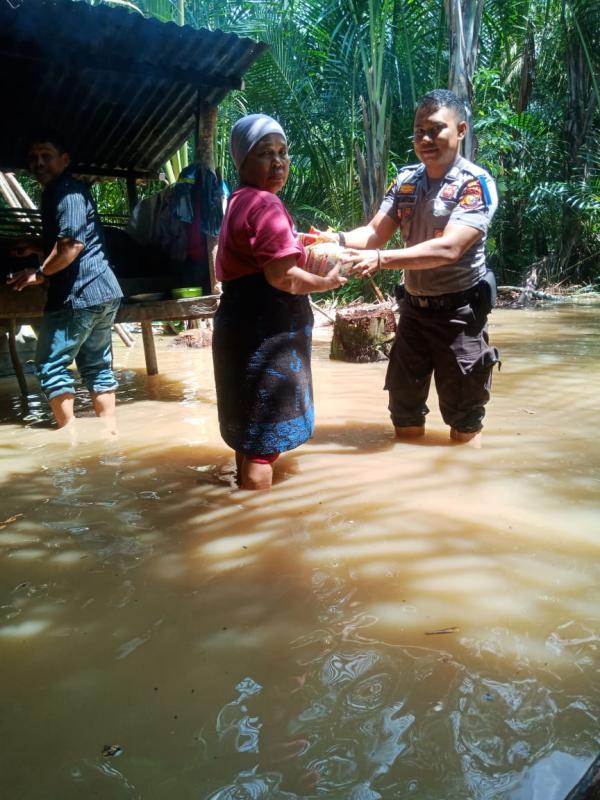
{"x": 527, "y": 69}
{"x": 464, "y": 24}
{"x": 372, "y": 164}
{"x": 363, "y": 333}
{"x": 578, "y": 126}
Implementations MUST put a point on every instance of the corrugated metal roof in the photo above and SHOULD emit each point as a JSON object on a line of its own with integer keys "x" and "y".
{"x": 124, "y": 89}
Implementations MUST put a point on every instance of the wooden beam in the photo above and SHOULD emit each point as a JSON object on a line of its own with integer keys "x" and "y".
{"x": 149, "y": 348}
{"x": 131, "y": 193}
{"x": 205, "y": 156}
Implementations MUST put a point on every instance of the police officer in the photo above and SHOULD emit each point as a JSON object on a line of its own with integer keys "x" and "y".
{"x": 443, "y": 207}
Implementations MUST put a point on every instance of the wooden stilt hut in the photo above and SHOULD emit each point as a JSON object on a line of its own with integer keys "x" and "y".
{"x": 127, "y": 92}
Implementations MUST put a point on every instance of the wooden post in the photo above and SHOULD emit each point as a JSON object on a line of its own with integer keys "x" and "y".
{"x": 205, "y": 156}
{"x": 207, "y": 122}
{"x": 14, "y": 357}
{"x": 149, "y": 348}
{"x": 131, "y": 193}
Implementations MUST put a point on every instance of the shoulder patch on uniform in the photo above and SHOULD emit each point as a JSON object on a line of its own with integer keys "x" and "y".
{"x": 472, "y": 195}
{"x": 408, "y": 188}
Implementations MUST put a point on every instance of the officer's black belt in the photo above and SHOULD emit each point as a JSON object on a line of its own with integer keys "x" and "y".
{"x": 443, "y": 302}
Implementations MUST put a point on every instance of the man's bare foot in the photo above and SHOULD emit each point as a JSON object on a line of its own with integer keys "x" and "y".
{"x": 466, "y": 437}
{"x": 409, "y": 431}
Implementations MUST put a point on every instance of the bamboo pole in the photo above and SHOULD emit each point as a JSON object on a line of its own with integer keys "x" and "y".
{"x": 14, "y": 357}
{"x": 22, "y": 195}
{"x": 127, "y": 340}
{"x": 8, "y": 193}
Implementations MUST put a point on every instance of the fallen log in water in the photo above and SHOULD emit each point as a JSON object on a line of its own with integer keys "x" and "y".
{"x": 196, "y": 338}
{"x": 588, "y": 787}
{"x": 526, "y": 294}
{"x": 363, "y": 333}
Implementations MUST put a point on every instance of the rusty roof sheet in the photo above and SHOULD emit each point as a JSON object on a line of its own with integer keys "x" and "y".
{"x": 122, "y": 88}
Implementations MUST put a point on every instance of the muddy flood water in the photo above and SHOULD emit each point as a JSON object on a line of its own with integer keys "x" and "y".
{"x": 392, "y": 620}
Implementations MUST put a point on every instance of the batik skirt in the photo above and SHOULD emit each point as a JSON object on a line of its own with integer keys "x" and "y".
{"x": 261, "y": 353}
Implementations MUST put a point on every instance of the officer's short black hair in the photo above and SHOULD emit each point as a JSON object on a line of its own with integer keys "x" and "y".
{"x": 444, "y": 98}
{"x": 47, "y": 135}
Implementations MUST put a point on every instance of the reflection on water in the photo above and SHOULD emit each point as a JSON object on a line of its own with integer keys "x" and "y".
{"x": 391, "y": 620}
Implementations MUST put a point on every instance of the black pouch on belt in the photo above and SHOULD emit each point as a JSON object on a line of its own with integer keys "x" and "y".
{"x": 399, "y": 292}
{"x": 488, "y": 291}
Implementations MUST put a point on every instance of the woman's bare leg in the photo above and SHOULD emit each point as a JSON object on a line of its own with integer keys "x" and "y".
{"x": 255, "y": 476}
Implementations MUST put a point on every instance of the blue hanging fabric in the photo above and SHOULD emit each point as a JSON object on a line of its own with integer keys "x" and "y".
{"x": 212, "y": 192}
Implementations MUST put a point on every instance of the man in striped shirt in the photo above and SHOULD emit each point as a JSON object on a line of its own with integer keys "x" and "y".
{"x": 83, "y": 292}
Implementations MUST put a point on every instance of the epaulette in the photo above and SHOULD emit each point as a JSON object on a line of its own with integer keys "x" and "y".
{"x": 410, "y": 171}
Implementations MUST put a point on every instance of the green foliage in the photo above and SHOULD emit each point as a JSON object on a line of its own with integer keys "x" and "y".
{"x": 536, "y": 100}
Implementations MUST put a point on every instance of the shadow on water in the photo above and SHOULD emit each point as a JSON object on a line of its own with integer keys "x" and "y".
{"x": 239, "y": 647}
{"x": 134, "y": 386}
{"x": 389, "y": 621}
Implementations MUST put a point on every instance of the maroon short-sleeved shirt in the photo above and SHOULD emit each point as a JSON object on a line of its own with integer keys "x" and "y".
{"x": 256, "y": 229}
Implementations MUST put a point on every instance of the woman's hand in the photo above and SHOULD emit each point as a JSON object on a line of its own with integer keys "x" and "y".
{"x": 25, "y": 277}
{"x": 364, "y": 262}
{"x": 282, "y": 273}
{"x": 335, "y": 278}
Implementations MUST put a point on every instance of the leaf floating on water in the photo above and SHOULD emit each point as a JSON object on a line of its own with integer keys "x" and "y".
{"x": 112, "y": 750}
{"x": 442, "y": 631}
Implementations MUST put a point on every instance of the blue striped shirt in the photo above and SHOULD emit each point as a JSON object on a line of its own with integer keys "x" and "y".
{"x": 68, "y": 212}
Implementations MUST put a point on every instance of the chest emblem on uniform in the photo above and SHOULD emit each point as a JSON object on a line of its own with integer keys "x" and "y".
{"x": 407, "y": 188}
{"x": 448, "y": 192}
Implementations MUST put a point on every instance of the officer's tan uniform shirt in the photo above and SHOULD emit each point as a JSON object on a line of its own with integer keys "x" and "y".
{"x": 422, "y": 207}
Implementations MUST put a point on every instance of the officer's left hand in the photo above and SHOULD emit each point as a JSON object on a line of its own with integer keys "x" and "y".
{"x": 25, "y": 277}
{"x": 364, "y": 262}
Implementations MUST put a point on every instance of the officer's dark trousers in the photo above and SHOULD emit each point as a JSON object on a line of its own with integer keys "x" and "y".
{"x": 452, "y": 346}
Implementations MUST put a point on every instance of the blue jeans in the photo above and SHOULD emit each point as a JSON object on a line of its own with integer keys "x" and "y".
{"x": 83, "y": 335}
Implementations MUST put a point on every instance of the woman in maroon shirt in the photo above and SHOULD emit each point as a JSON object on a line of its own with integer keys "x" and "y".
{"x": 263, "y": 327}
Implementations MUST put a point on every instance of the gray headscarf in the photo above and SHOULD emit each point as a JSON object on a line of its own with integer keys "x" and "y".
{"x": 247, "y": 131}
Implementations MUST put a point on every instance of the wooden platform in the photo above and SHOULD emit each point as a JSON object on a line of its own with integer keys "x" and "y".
{"x": 24, "y": 308}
